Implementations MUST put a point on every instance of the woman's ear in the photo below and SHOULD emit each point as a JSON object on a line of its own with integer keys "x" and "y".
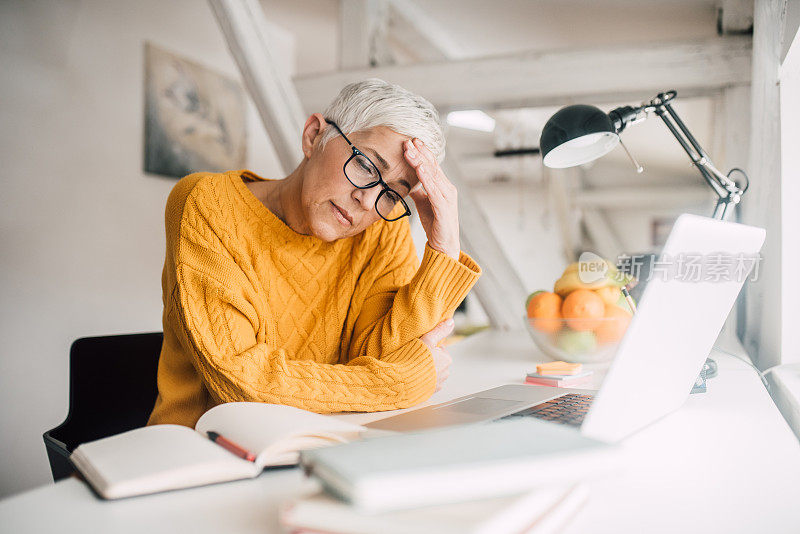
{"x": 312, "y": 133}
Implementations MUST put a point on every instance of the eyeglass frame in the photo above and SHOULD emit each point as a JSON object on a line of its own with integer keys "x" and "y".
{"x": 379, "y": 181}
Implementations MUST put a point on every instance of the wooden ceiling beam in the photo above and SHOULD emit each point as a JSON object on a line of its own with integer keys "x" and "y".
{"x": 534, "y": 79}
{"x": 413, "y": 29}
{"x": 363, "y": 25}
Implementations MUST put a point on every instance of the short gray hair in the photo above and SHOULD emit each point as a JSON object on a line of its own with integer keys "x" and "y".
{"x": 374, "y": 102}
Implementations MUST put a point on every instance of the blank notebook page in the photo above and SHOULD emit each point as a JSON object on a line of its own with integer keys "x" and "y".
{"x": 157, "y": 458}
{"x": 258, "y": 426}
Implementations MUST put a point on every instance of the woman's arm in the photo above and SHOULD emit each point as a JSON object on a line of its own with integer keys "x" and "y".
{"x": 395, "y": 313}
{"x": 218, "y": 328}
{"x": 405, "y": 302}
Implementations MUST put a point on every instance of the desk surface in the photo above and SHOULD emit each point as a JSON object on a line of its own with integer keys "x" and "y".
{"x": 725, "y": 462}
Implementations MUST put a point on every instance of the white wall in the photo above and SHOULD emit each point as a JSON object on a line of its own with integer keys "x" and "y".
{"x": 82, "y": 226}
{"x": 790, "y": 190}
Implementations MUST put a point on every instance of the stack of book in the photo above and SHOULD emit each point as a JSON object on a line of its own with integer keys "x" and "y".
{"x": 541, "y": 511}
{"x": 560, "y": 375}
{"x": 512, "y": 476}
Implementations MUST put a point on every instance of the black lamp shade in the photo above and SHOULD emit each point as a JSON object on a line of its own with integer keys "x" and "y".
{"x": 576, "y": 135}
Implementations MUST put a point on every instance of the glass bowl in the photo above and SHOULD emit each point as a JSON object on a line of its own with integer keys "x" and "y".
{"x": 578, "y": 341}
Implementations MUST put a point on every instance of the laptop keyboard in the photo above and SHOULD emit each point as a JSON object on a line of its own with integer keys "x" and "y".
{"x": 569, "y": 409}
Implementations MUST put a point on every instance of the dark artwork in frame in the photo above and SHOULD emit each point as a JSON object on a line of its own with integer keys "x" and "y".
{"x": 195, "y": 118}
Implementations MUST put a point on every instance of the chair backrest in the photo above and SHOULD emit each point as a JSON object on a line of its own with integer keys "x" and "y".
{"x": 112, "y": 388}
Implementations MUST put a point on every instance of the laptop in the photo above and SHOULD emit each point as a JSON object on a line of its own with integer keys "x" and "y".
{"x": 692, "y": 289}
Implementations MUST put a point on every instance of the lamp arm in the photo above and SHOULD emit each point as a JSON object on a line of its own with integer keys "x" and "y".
{"x": 695, "y": 153}
{"x": 727, "y": 190}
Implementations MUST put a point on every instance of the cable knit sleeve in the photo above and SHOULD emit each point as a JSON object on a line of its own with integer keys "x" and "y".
{"x": 405, "y": 301}
{"x": 216, "y": 309}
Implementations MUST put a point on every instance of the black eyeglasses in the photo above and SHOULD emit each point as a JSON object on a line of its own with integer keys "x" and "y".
{"x": 363, "y": 174}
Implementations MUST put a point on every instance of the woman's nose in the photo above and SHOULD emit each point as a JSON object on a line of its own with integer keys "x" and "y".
{"x": 367, "y": 197}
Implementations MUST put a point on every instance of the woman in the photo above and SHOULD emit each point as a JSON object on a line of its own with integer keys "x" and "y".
{"x": 307, "y": 291}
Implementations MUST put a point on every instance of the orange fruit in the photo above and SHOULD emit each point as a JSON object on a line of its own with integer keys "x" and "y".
{"x": 609, "y": 294}
{"x": 528, "y": 301}
{"x": 545, "y": 310}
{"x": 613, "y": 327}
{"x": 583, "y": 309}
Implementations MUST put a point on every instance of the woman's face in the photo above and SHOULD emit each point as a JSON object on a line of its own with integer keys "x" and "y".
{"x": 326, "y": 188}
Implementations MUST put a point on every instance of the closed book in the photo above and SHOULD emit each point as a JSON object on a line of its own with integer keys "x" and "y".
{"x": 557, "y": 376}
{"x": 459, "y": 463}
{"x": 513, "y": 514}
{"x": 167, "y": 457}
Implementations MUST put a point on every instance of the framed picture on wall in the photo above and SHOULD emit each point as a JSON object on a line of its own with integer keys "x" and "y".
{"x": 194, "y": 117}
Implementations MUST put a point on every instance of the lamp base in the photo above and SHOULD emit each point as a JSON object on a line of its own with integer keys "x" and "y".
{"x": 709, "y": 371}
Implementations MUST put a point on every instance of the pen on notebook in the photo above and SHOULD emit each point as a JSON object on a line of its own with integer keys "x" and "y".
{"x": 230, "y": 446}
{"x": 628, "y": 298}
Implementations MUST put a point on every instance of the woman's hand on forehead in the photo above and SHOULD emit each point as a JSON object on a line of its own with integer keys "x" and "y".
{"x": 436, "y": 199}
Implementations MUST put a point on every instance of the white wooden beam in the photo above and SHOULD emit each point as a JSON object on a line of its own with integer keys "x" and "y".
{"x": 415, "y": 31}
{"x": 533, "y": 79}
{"x": 641, "y": 197}
{"x": 245, "y": 29}
{"x": 363, "y": 26}
{"x": 731, "y": 147}
{"x": 500, "y": 289}
{"x": 606, "y": 242}
{"x": 734, "y": 16}
{"x": 761, "y": 330}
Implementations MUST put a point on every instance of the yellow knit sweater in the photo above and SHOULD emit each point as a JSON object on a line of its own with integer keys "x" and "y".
{"x": 254, "y": 311}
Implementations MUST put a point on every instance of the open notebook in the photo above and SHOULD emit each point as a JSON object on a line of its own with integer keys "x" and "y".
{"x": 166, "y": 457}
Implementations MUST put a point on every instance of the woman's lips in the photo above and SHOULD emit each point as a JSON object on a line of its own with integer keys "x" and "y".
{"x": 339, "y": 214}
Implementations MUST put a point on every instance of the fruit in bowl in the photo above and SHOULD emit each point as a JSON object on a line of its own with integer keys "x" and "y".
{"x": 544, "y": 309}
{"x": 580, "y": 320}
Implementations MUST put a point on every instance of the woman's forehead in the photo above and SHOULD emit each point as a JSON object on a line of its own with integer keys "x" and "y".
{"x": 383, "y": 145}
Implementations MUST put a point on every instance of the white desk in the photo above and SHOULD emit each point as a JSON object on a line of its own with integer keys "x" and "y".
{"x": 726, "y": 462}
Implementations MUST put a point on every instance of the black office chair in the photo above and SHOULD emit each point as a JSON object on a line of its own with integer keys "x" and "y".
{"x": 112, "y": 388}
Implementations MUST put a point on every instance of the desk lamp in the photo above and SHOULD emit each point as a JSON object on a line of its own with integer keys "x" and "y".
{"x": 579, "y": 134}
